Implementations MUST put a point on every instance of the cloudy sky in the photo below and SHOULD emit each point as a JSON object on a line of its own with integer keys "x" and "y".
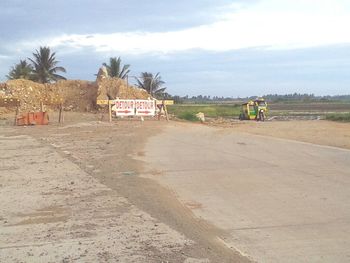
{"x": 223, "y": 47}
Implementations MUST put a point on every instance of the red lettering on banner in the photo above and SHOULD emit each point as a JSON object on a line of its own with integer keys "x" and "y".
{"x": 145, "y": 108}
{"x": 125, "y": 107}
{"x": 135, "y": 107}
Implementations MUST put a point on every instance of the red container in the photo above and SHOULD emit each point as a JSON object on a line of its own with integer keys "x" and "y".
{"x": 30, "y": 117}
{"x": 33, "y": 118}
{"x": 41, "y": 118}
{"x": 22, "y": 120}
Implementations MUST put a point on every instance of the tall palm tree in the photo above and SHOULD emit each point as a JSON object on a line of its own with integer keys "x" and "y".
{"x": 45, "y": 66}
{"x": 152, "y": 84}
{"x": 22, "y": 70}
{"x": 115, "y": 69}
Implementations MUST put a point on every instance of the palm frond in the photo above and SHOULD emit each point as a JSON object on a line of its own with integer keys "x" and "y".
{"x": 45, "y": 65}
{"x": 22, "y": 70}
{"x": 115, "y": 68}
{"x": 152, "y": 84}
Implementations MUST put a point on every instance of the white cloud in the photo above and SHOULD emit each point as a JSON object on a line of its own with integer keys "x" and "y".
{"x": 268, "y": 24}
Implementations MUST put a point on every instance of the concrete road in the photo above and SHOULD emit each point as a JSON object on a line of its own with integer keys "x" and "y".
{"x": 276, "y": 200}
{"x": 53, "y": 211}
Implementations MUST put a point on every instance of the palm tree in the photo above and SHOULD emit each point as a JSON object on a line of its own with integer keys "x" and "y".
{"x": 115, "y": 69}
{"x": 152, "y": 84}
{"x": 22, "y": 70}
{"x": 45, "y": 69}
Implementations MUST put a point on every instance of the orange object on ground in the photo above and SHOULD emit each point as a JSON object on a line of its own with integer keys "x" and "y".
{"x": 41, "y": 118}
{"x": 33, "y": 118}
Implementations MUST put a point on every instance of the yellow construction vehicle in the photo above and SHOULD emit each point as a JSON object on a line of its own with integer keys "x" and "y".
{"x": 254, "y": 110}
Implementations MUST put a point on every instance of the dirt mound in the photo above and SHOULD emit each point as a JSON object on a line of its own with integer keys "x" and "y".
{"x": 77, "y": 95}
{"x": 28, "y": 92}
{"x": 74, "y": 95}
{"x": 112, "y": 88}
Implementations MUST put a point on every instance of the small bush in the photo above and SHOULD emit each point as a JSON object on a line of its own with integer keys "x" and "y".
{"x": 344, "y": 117}
{"x": 184, "y": 111}
{"x": 189, "y": 116}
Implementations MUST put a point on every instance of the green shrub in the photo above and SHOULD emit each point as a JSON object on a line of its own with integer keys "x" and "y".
{"x": 344, "y": 117}
{"x": 189, "y": 116}
{"x": 184, "y": 111}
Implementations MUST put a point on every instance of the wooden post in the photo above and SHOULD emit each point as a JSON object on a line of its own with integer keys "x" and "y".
{"x": 163, "y": 108}
{"x": 41, "y": 106}
{"x": 166, "y": 111}
{"x": 160, "y": 107}
{"x": 16, "y": 114}
{"x": 60, "y": 119}
{"x": 110, "y": 111}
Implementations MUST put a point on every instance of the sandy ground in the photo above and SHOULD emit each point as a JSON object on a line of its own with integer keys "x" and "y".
{"x": 317, "y": 131}
{"x": 89, "y": 191}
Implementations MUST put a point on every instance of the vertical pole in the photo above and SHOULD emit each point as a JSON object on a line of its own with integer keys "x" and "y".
{"x": 60, "y": 114}
{"x": 151, "y": 87}
{"x": 166, "y": 111}
{"x": 41, "y": 106}
{"x": 160, "y": 110}
{"x": 16, "y": 114}
{"x": 110, "y": 110}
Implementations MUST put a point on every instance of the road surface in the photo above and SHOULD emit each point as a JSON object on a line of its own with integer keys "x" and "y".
{"x": 276, "y": 200}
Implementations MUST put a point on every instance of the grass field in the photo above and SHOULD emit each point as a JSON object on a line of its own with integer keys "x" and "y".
{"x": 188, "y": 111}
{"x": 322, "y": 107}
{"x": 343, "y": 117}
{"x": 322, "y": 110}
{"x": 329, "y": 111}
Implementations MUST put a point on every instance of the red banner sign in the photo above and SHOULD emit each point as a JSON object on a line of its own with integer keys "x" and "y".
{"x": 145, "y": 107}
{"x": 124, "y": 107}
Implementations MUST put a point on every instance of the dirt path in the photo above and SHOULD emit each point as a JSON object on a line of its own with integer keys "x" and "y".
{"x": 159, "y": 227}
{"x": 276, "y": 200}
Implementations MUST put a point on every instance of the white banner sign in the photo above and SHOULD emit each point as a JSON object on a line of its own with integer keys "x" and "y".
{"x": 145, "y": 107}
{"x": 125, "y": 107}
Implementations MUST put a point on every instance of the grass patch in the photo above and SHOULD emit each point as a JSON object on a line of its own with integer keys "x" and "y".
{"x": 344, "y": 117}
{"x": 189, "y": 111}
{"x": 188, "y": 116}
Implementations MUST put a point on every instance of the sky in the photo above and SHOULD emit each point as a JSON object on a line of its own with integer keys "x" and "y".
{"x": 225, "y": 48}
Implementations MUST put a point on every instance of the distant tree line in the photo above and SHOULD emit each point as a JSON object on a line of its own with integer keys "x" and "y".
{"x": 304, "y": 98}
{"x": 274, "y": 98}
{"x": 198, "y": 99}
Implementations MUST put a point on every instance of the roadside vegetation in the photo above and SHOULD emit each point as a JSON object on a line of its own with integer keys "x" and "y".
{"x": 188, "y": 116}
{"x": 343, "y": 117}
{"x": 280, "y": 110}
{"x": 189, "y": 111}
